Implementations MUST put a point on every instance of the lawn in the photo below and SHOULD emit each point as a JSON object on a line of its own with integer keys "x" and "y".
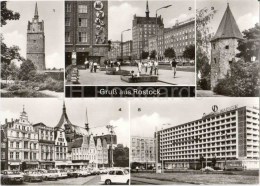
{"x": 203, "y": 178}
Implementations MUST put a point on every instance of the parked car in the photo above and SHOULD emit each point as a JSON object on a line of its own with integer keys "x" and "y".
{"x": 115, "y": 176}
{"x": 95, "y": 171}
{"x": 73, "y": 174}
{"x": 49, "y": 174}
{"x": 32, "y": 175}
{"x": 61, "y": 173}
{"x": 103, "y": 170}
{"x": 83, "y": 172}
{"x": 8, "y": 177}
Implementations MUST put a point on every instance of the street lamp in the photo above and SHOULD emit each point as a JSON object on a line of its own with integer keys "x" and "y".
{"x": 122, "y": 42}
{"x": 157, "y": 29}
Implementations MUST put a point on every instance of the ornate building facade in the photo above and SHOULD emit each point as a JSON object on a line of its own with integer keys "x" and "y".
{"x": 23, "y": 144}
{"x": 36, "y": 41}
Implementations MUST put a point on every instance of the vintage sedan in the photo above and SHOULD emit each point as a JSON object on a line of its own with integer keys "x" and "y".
{"x": 8, "y": 177}
{"x": 32, "y": 175}
{"x": 49, "y": 174}
{"x": 117, "y": 176}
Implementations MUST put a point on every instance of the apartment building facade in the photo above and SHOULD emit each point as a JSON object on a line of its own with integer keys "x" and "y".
{"x": 230, "y": 135}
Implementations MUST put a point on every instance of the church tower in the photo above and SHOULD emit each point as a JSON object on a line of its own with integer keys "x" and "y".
{"x": 36, "y": 41}
{"x": 224, "y": 47}
{"x": 147, "y": 10}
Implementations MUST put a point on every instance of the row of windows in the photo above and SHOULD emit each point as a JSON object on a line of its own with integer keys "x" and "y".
{"x": 27, "y": 155}
{"x": 26, "y": 145}
{"x": 82, "y": 37}
{"x": 82, "y": 22}
{"x": 81, "y": 8}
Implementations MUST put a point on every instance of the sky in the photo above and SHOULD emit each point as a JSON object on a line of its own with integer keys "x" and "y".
{"x": 154, "y": 113}
{"x": 121, "y": 14}
{"x": 52, "y": 12}
{"x": 101, "y": 112}
{"x": 245, "y": 12}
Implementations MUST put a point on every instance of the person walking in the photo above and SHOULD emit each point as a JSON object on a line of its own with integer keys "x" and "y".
{"x": 156, "y": 68}
{"x": 174, "y": 66}
{"x": 152, "y": 67}
{"x": 91, "y": 66}
{"x": 139, "y": 67}
{"x": 95, "y": 67}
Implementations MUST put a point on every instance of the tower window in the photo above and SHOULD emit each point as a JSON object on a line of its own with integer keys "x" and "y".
{"x": 214, "y": 46}
{"x": 227, "y": 47}
{"x": 82, "y": 22}
{"x": 215, "y": 60}
{"x": 230, "y": 62}
{"x": 82, "y": 37}
{"x": 67, "y": 21}
{"x": 34, "y": 41}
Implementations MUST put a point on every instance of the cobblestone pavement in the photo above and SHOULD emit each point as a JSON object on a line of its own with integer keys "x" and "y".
{"x": 165, "y": 78}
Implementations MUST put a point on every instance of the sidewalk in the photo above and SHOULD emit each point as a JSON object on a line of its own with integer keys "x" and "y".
{"x": 165, "y": 78}
{"x": 208, "y": 93}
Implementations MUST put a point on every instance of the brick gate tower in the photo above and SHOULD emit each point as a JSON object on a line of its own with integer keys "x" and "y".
{"x": 224, "y": 47}
{"x": 36, "y": 41}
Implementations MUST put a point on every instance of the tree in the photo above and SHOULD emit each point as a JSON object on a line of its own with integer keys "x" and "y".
{"x": 121, "y": 156}
{"x": 189, "y": 52}
{"x": 145, "y": 54}
{"x": 27, "y": 70}
{"x": 170, "y": 53}
{"x": 153, "y": 54}
{"x": 241, "y": 81}
{"x": 203, "y": 37}
{"x": 250, "y": 46}
{"x": 7, "y": 14}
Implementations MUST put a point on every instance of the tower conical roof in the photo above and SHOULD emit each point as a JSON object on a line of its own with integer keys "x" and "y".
{"x": 147, "y": 9}
{"x": 228, "y": 27}
{"x": 64, "y": 118}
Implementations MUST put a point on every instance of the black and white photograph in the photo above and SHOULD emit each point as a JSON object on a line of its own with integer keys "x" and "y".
{"x": 121, "y": 43}
{"x": 227, "y": 48}
{"x": 64, "y": 142}
{"x": 195, "y": 141}
{"x": 32, "y": 49}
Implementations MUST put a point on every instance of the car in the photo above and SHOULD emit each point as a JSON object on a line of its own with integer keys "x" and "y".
{"x": 115, "y": 176}
{"x": 73, "y": 174}
{"x": 8, "y": 177}
{"x": 61, "y": 173}
{"x": 49, "y": 174}
{"x": 32, "y": 175}
{"x": 95, "y": 171}
{"x": 83, "y": 172}
{"x": 103, "y": 170}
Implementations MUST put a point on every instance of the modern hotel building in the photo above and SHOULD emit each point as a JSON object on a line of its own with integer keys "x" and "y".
{"x": 230, "y": 136}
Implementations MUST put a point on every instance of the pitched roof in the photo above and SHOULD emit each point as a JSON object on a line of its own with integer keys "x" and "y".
{"x": 79, "y": 130}
{"x": 64, "y": 118}
{"x": 228, "y": 27}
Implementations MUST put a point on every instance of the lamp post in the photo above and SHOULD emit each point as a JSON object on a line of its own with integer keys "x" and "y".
{"x": 122, "y": 42}
{"x": 157, "y": 30}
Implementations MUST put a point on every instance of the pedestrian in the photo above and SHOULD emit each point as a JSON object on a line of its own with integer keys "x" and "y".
{"x": 139, "y": 67}
{"x": 156, "y": 68}
{"x": 91, "y": 66}
{"x": 145, "y": 67}
{"x": 174, "y": 65}
{"x": 152, "y": 67}
{"x": 86, "y": 63}
{"x": 95, "y": 67}
{"x": 106, "y": 62}
{"x": 119, "y": 65}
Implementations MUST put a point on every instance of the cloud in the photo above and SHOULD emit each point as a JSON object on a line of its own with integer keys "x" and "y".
{"x": 180, "y": 18}
{"x": 54, "y": 60}
{"x": 122, "y": 131}
{"x": 247, "y": 21}
{"x": 145, "y": 125}
{"x": 16, "y": 38}
{"x": 120, "y": 18}
{"x": 7, "y": 114}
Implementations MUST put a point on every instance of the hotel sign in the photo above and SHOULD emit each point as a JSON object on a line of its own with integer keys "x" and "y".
{"x": 216, "y": 111}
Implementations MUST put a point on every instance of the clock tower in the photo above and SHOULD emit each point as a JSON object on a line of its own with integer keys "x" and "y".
{"x": 36, "y": 41}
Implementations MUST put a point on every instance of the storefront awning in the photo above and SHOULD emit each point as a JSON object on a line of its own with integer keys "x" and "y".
{"x": 14, "y": 163}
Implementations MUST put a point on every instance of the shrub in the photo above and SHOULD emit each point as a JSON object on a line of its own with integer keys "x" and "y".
{"x": 243, "y": 81}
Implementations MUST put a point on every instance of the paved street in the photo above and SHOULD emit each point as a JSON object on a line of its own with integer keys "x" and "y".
{"x": 165, "y": 78}
{"x": 89, "y": 180}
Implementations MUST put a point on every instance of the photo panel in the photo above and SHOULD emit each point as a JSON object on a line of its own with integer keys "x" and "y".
{"x": 32, "y": 60}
